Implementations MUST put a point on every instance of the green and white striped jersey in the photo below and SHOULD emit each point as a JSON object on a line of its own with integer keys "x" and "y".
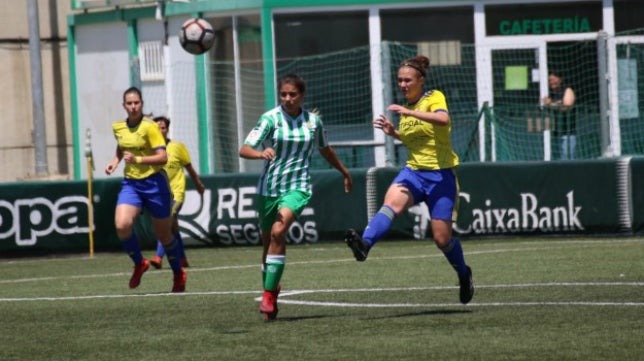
{"x": 293, "y": 140}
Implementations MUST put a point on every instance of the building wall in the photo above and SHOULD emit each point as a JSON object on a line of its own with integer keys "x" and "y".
{"x": 16, "y": 143}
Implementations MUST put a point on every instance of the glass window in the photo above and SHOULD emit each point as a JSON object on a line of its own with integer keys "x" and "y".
{"x": 430, "y": 24}
{"x": 299, "y": 35}
{"x": 629, "y": 15}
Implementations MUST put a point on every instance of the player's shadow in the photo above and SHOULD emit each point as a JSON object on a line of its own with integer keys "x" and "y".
{"x": 300, "y": 318}
{"x": 421, "y": 313}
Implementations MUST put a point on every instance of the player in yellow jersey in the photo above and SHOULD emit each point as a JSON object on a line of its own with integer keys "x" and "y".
{"x": 429, "y": 174}
{"x": 145, "y": 185}
{"x": 178, "y": 159}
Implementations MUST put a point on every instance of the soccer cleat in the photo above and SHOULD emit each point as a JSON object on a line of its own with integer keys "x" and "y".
{"x": 156, "y": 262}
{"x": 179, "y": 282}
{"x": 139, "y": 270}
{"x": 467, "y": 286}
{"x": 184, "y": 263}
{"x": 268, "y": 307}
{"x": 358, "y": 245}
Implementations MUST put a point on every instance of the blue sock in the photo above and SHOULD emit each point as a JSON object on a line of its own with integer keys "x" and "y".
{"x": 182, "y": 249}
{"x": 131, "y": 246}
{"x": 160, "y": 250}
{"x": 454, "y": 254}
{"x": 379, "y": 225}
{"x": 174, "y": 255}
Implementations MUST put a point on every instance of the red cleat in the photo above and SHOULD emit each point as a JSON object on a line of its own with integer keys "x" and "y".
{"x": 156, "y": 262}
{"x": 139, "y": 270}
{"x": 179, "y": 283}
{"x": 268, "y": 307}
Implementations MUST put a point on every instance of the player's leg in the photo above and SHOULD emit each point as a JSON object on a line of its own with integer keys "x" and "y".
{"x": 128, "y": 207}
{"x": 158, "y": 201}
{"x": 290, "y": 206}
{"x": 399, "y": 196}
{"x": 157, "y": 260}
{"x": 442, "y": 202}
{"x": 267, "y": 207}
{"x": 176, "y": 208}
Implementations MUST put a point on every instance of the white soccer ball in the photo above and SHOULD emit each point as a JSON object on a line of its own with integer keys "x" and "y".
{"x": 196, "y": 36}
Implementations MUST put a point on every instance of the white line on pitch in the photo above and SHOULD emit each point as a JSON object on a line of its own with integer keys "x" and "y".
{"x": 346, "y": 290}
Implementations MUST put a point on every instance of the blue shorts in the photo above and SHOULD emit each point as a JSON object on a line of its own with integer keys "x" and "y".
{"x": 151, "y": 193}
{"x": 437, "y": 188}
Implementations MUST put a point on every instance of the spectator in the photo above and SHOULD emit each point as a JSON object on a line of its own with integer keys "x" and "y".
{"x": 561, "y": 100}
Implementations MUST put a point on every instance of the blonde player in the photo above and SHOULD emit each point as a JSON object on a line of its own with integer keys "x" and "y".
{"x": 429, "y": 174}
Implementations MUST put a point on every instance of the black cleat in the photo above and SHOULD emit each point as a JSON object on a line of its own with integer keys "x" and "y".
{"x": 359, "y": 247}
{"x": 467, "y": 287}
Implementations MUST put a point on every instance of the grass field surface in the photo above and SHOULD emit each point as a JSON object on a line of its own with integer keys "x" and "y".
{"x": 536, "y": 299}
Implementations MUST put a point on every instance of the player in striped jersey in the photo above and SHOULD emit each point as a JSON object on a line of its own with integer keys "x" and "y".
{"x": 141, "y": 146}
{"x": 290, "y": 135}
{"x": 429, "y": 175}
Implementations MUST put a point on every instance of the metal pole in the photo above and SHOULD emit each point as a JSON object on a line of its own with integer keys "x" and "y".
{"x": 602, "y": 67}
{"x": 39, "y": 135}
{"x": 90, "y": 194}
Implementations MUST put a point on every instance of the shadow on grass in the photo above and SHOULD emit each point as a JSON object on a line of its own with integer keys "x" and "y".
{"x": 300, "y": 318}
{"x": 421, "y": 313}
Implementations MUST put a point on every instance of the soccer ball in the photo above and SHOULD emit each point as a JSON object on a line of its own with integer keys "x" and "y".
{"x": 196, "y": 36}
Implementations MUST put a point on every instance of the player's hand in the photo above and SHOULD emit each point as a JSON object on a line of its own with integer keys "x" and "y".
{"x": 200, "y": 188}
{"x": 268, "y": 154}
{"x": 110, "y": 168}
{"x": 348, "y": 184}
{"x": 382, "y": 122}
{"x": 128, "y": 157}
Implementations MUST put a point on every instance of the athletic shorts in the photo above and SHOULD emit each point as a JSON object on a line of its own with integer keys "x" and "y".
{"x": 437, "y": 188}
{"x": 151, "y": 193}
{"x": 269, "y": 206}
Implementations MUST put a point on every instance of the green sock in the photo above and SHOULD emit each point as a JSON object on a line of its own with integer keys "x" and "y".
{"x": 263, "y": 275}
{"x": 274, "y": 269}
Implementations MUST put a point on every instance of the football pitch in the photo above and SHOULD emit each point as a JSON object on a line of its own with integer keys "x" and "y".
{"x": 535, "y": 299}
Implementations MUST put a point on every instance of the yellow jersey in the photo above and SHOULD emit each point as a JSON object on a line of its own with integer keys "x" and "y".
{"x": 141, "y": 140}
{"x": 429, "y": 146}
{"x": 178, "y": 158}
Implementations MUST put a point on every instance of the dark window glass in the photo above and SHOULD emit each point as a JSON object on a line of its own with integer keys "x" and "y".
{"x": 629, "y": 15}
{"x": 431, "y": 24}
{"x": 299, "y": 35}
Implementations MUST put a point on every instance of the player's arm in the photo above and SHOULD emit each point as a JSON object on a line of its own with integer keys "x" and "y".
{"x": 568, "y": 98}
{"x": 195, "y": 178}
{"x": 255, "y": 138}
{"x": 439, "y": 117}
{"x": 160, "y": 157}
{"x": 332, "y": 158}
{"x": 111, "y": 166}
{"x": 248, "y": 152}
{"x": 157, "y": 143}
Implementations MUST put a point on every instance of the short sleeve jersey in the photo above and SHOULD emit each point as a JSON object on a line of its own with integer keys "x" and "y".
{"x": 293, "y": 139}
{"x": 178, "y": 158}
{"x": 429, "y": 146}
{"x": 141, "y": 140}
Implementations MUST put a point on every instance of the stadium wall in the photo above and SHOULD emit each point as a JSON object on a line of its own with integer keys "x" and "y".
{"x": 547, "y": 198}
